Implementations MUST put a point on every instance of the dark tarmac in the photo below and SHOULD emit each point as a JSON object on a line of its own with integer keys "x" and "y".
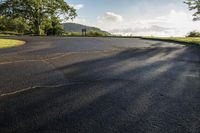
{"x": 99, "y": 85}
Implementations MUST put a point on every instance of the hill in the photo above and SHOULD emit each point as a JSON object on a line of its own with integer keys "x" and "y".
{"x": 73, "y": 27}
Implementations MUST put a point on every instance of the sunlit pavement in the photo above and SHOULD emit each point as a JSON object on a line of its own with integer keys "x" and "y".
{"x": 99, "y": 85}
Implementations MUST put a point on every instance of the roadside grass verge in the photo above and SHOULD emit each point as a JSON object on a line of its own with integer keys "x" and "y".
{"x": 8, "y": 33}
{"x": 5, "y": 35}
{"x": 183, "y": 40}
{"x": 8, "y": 43}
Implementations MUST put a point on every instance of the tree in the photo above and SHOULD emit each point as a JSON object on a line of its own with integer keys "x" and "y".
{"x": 18, "y": 25}
{"x": 2, "y": 23}
{"x": 36, "y": 11}
{"x": 53, "y": 26}
{"x": 194, "y": 34}
{"x": 194, "y": 5}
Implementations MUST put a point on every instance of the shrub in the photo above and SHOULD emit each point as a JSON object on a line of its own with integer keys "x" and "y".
{"x": 194, "y": 34}
{"x": 73, "y": 34}
{"x": 9, "y": 33}
{"x": 95, "y": 33}
{"x": 89, "y": 33}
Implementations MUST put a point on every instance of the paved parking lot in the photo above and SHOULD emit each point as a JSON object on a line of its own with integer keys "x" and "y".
{"x": 99, "y": 85}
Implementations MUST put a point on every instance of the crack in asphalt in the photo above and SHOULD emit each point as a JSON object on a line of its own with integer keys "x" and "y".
{"x": 27, "y": 89}
{"x": 56, "y": 57}
{"x": 63, "y": 85}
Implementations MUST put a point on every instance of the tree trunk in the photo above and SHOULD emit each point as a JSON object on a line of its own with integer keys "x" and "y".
{"x": 37, "y": 26}
{"x": 38, "y": 21}
{"x": 38, "y": 30}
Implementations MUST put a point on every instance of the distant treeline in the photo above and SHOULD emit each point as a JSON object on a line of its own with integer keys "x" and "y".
{"x": 90, "y": 33}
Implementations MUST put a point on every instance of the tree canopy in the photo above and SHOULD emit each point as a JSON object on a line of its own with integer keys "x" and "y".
{"x": 37, "y": 11}
{"x": 194, "y": 5}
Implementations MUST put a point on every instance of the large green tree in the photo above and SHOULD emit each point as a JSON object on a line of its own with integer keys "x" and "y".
{"x": 17, "y": 25}
{"x": 36, "y": 11}
{"x": 194, "y": 5}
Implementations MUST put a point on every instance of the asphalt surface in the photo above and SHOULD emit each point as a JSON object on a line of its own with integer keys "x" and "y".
{"x": 99, "y": 85}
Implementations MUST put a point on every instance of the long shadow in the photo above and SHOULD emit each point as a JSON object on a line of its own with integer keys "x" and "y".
{"x": 103, "y": 67}
{"x": 138, "y": 90}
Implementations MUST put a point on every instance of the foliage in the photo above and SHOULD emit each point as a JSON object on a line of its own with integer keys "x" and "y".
{"x": 36, "y": 11}
{"x": 194, "y": 34}
{"x": 73, "y": 33}
{"x": 194, "y": 5}
{"x": 89, "y": 34}
{"x": 17, "y": 25}
{"x": 8, "y": 33}
{"x": 20, "y": 26}
{"x": 53, "y": 26}
{"x": 96, "y": 33}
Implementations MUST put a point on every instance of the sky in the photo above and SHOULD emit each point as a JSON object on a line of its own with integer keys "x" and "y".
{"x": 136, "y": 17}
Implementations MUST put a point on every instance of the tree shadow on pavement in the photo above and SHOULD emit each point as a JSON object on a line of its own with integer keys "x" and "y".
{"x": 140, "y": 90}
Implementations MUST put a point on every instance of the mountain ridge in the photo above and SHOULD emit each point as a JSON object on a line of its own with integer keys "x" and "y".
{"x": 75, "y": 27}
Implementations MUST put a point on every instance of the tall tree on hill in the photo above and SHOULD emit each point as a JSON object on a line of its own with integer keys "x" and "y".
{"x": 194, "y": 5}
{"x": 36, "y": 11}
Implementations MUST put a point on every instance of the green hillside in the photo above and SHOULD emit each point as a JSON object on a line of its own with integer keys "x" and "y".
{"x": 73, "y": 27}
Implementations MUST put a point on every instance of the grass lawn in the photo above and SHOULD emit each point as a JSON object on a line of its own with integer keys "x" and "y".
{"x": 188, "y": 40}
{"x": 8, "y": 43}
{"x": 5, "y": 35}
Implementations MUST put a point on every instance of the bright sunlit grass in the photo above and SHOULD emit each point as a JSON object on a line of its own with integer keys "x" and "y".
{"x": 192, "y": 40}
{"x": 8, "y": 43}
{"x": 195, "y": 40}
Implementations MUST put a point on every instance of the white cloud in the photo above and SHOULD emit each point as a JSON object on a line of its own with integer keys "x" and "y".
{"x": 138, "y": 30}
{"x": 175, "y": 23}
{"x": 110, "y": 17}
{"x": 80, "y": 20}
{"x": 77, "y": 6}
